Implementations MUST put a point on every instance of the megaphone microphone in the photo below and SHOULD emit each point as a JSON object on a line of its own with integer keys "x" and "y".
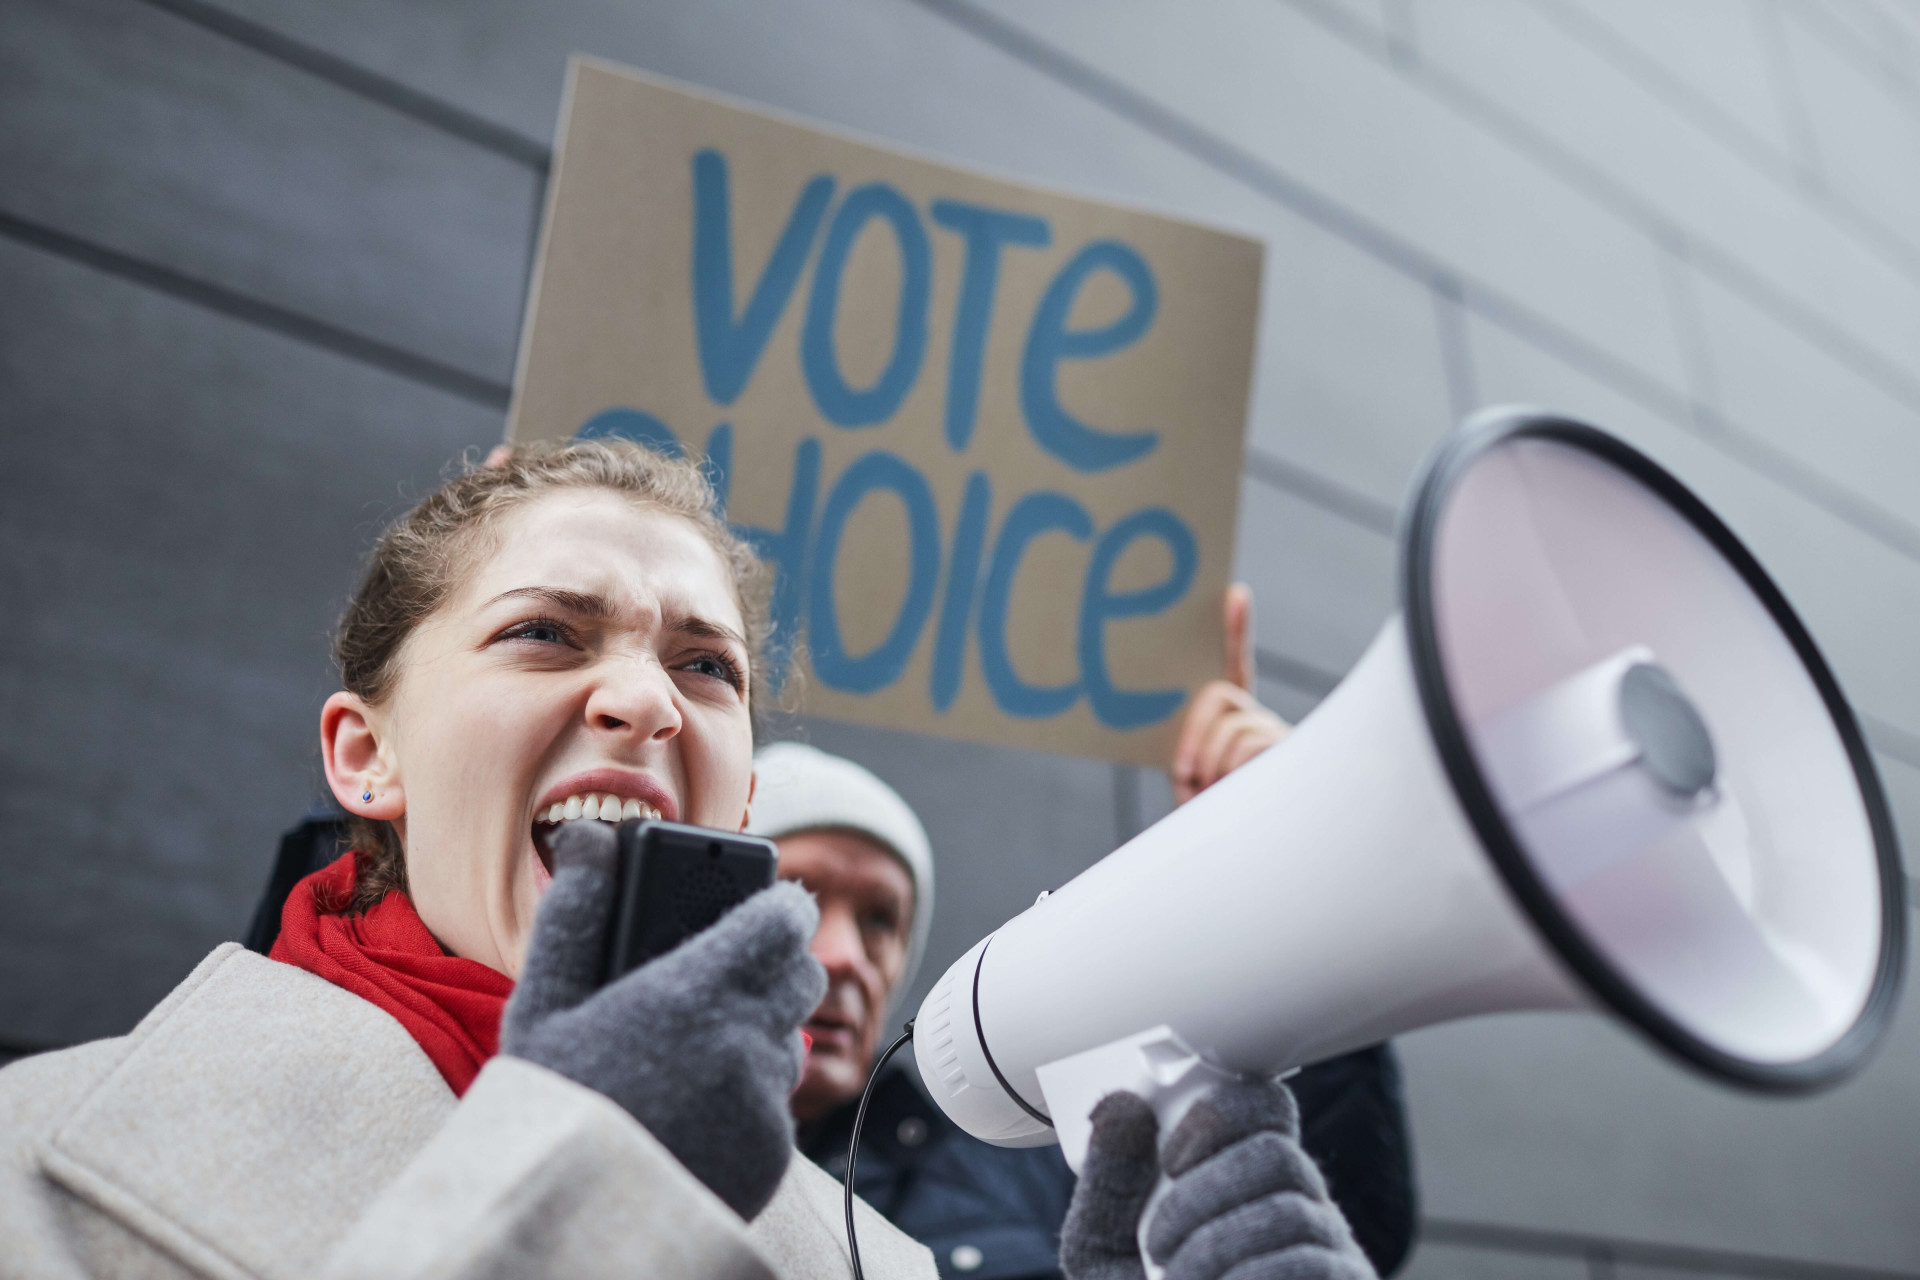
{"x": 1595, "y": 761}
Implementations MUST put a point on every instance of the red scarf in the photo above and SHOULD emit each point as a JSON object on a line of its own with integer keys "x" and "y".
{"x": 449, "y": 1005}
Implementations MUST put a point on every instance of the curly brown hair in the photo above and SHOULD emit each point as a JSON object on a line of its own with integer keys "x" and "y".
{"x": 418, "y": 561}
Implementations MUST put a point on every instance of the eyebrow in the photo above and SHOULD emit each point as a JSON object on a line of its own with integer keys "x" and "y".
{"x": 584, "y": 603}
{"x": 597, "y": 607}
{"x": 708, "y": 629}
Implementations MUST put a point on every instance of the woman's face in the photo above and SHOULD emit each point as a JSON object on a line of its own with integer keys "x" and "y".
{"x": 599, "y": 652}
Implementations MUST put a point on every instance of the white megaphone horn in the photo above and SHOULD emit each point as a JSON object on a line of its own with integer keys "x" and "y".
{"x": 1594, "y": 762}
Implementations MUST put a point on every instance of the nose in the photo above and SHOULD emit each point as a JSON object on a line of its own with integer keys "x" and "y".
{"x": 838, "y": 946}
{"x": 635, "y": 697}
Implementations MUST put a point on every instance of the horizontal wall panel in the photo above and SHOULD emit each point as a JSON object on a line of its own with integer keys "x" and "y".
{"x": 1322, "y": 585}
{"x": 1868, "y": 132}
{"x": 1569, "y": 1122}
{"x": 183, "y": 504}
{"x": 1434, "y": 1261}
{"x": 1271, "y": 80}
{"x": 1859, "y": 598}
{"x": 1652, "y": 155}
{"x": 901, "y": 72}
{"x": 1714, "y": 47}
{"x": 1352, "y": 385}
{"x": 1808, "y": 404}
{"x": 134, "y": 130}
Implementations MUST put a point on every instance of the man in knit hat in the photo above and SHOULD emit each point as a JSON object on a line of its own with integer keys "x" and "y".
{"x": 857, "y": 846}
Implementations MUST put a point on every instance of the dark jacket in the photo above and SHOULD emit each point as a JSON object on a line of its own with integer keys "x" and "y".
{"x": 1000, "y": 1208}
{"x": 994, "y": 1213}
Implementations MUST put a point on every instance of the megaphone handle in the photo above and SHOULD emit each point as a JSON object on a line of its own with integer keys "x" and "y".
{"x": 1160, "y": 1188}
{"x": 1170, "y": 1102}
{"x": 1157, "y": 1065}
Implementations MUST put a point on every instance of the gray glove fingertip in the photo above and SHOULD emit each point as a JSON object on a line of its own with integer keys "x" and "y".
{"x": 583, "y": 842}
{"x": 565, "y": 957}
{"x": 1261, "y": 1167}
{"x": 799, "y": 991}
{"x": 1252, "y": 1228}
{"x": 1226, "y": 1114}
{"x": 1303, "y": 1262}
{"x": 1097, "y": 1240}
{"x": 754, "y": 943}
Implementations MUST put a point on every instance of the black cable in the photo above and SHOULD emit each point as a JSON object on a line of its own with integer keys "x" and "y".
{"x": 853, "y": 1147}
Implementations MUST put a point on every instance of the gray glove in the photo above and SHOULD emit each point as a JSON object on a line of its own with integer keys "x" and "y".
{"x": 702, "y": 1045}
{"x": 1244, "y": 1197}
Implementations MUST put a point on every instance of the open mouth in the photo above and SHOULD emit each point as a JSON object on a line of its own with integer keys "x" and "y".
{"x": 831, "y": 1032}
{"x": 579, "y": 798}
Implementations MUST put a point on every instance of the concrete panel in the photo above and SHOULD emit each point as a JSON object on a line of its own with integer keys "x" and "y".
{"x": 1005, "y": 824}
{"x": 1713, "y": 46}
{"x": 1809, "y": 404}
{"x": 1270, "y": 80}
{"x": 1860, "y": 598}
{"x": 183, "y": 504}
{"x": 1351, "y": 383}
{"x": 133, "y": 129}
{"x": 1432, "y": 1261}
{"x": 1568, "y": 1122}
{"x": 1899, "y": 19}
{"x": 1867, "y": 131}
{"x": 1679, "y": 167}
{"x": 1343, "y": 345}
{"x": 1883, "y": 37}
{"x": 1323, "y": 586}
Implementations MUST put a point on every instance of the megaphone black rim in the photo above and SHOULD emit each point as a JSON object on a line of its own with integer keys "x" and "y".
{"x": 1448, "y": 465}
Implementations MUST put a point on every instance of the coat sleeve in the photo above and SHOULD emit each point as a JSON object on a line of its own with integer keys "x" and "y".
{"x": 535, "y": 1175}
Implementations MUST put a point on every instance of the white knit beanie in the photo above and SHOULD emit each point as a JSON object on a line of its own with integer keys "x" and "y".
{"x": 802, "y": 788}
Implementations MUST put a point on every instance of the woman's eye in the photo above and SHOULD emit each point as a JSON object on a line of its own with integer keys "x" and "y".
{"x": 718, "y": 666}
{"x": 538, "y": 631}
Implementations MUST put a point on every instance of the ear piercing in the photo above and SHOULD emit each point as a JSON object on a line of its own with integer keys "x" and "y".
{"x": 366, "y": 797}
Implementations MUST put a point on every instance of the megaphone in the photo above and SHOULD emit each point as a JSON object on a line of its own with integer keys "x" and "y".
{"x": 1595, "y": 761}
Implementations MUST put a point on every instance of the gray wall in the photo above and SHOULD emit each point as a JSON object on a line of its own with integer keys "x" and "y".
{"x": 261, "y": 266}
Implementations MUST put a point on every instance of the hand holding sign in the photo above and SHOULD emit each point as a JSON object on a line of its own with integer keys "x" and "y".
{"x": 1225, "y": 725}
{"x": 987, "y": 435}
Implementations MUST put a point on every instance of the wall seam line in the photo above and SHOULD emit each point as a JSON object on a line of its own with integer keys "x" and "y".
{"x": 1389, "y": 249}
{"x": 1538, "y": 1242}
{"x": 352, "y": 78}
{"x": 1603, "y": 190}
{"x": 260, "y": 314}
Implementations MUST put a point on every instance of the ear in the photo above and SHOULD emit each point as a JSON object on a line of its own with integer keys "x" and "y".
{"x": 361, "y": 772}
{"x": 746, "y": 814}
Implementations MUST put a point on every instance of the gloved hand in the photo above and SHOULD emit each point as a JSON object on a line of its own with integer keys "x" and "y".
{"x": 1244, "y": 1196}
{"x": 701, "y": 1045}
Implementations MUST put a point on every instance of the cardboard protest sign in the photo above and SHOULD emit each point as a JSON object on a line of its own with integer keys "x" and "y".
{"x": 989, "y": 435}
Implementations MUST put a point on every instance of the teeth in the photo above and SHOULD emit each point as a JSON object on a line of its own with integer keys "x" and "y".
{"x": 594, "y": 804}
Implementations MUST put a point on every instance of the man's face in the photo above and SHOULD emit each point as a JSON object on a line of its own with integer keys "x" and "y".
{"x": 866, "y": 913}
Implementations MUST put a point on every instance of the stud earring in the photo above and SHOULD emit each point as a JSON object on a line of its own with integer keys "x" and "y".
{"x": 366, "y": 797}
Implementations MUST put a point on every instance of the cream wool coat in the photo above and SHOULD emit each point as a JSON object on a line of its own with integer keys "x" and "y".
{"x": 262, "y": 1122}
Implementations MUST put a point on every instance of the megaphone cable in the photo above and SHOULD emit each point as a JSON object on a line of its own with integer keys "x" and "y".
{"x": 853, "y": 1147}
